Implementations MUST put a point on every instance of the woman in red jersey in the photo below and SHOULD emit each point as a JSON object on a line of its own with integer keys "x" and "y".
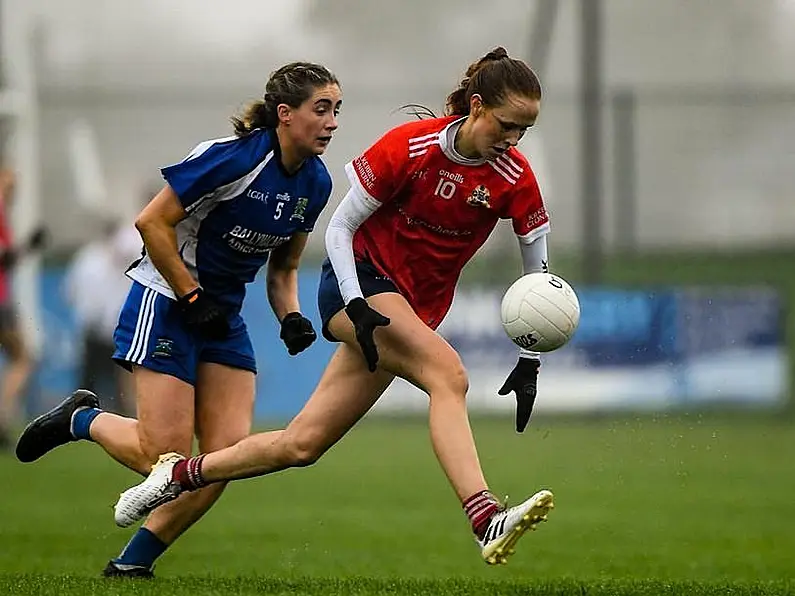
{"x": 423, "y": 199}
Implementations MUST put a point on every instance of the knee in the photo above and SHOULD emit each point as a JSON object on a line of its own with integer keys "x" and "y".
{"x": 459, "y": 380}
{"x": 151, "y": 449}
{"x": 149, "y": 453}
{"x": 452, "y": 379}
{"x": 303, "y": 450}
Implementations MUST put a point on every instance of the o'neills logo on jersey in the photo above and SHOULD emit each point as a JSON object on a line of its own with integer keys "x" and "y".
{"x": 453, "y": 177}
{"x": 365, "y": 172}
{"x": 249, "y": 242}
{"x": 479, "y": 197}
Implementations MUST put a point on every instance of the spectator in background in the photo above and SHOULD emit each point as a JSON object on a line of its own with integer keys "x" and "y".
{"x": 18, "y": 361}
{"x": 101, "y": 264}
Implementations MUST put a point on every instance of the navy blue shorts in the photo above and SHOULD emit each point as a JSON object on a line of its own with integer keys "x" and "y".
{"x": 329, "y": 299}
{"x": 152, "y": 334}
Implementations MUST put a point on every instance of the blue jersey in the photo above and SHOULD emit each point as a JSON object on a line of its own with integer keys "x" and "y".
{"x": 240, "y": 204}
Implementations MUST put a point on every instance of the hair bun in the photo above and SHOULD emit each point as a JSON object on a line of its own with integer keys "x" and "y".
{"x": 497, "y": 53}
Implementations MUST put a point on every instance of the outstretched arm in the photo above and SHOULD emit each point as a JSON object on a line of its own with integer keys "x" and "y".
{"x": 523, "y": 379}
{"x": 535, "y": 259}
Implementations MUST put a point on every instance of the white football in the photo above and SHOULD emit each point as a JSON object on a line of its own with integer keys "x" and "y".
{"x": 540, "y": 312}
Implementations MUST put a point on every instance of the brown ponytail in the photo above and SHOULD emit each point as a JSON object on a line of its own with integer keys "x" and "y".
{"x": 493, "y": 77}
{"x": 255, "y": 115}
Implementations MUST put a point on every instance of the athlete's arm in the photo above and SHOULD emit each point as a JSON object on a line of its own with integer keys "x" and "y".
{"x": 282, "y": 275}
{"x": 157, "y": 226}
{"x": 282, "y": 283}
{"x": 354, "y": 209}
{"x": 531, "y": 225}
{"x": 523, "y": 379}
{"x": 535, "y": 259}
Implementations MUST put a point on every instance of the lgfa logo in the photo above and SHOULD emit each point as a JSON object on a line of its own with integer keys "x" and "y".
{"x": 257, "y": 195}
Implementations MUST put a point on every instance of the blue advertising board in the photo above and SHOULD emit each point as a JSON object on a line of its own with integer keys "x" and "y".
{"x": 653, "y": 348}
{"x": 658, "y": 347}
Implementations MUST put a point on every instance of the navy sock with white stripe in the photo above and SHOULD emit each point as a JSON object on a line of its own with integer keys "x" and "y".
{"x": 81, "y": 422}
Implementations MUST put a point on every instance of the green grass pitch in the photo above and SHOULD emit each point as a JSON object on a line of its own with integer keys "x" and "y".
{"x": 697, "y": 504}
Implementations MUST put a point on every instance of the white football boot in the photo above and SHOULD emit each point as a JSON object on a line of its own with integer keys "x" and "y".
{"x": 507, "y": 526}
{"x": 158, "y": 489}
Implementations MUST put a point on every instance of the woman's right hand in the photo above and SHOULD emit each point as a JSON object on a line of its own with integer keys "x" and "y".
{"x": 204, "y": 315}
{"x": 365, "y": 320}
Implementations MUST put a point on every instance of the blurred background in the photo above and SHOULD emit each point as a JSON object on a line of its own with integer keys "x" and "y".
{"x": 665, "y": 150}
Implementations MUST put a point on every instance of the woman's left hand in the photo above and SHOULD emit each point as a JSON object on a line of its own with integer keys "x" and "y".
{"x": 297, "y": 333}
{"x": 523, "y": 380}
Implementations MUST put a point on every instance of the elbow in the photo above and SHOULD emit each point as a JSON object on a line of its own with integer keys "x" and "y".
{"x": 143, "y": 223}
{"x": 280, "y": 269}
{"x": 147, "y": 224}
{"x": 331, "y": 233}
{"x": 288, "y": 267}
{"x": 337, "y": 234}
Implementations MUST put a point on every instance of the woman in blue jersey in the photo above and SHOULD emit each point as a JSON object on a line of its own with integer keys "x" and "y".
{"x": 231, "y": 206}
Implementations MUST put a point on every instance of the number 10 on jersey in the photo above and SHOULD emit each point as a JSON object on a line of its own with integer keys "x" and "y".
{"x": 445, "y": 189}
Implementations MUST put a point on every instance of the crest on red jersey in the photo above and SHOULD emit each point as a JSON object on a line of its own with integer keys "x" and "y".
{"x": 479, "y": 197}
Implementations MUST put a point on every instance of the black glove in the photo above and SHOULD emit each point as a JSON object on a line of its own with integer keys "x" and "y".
{"x": 297, "y": 333}
{"x": 8, "y": 259}
{"x": 523, "y": 381}
{"x": 38, "y": 239}
{"x": 365, "y": 320}
{"x": 204, "y": 315}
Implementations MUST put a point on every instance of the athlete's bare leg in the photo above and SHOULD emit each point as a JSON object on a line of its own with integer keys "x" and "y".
{"x": 347, "y": 390}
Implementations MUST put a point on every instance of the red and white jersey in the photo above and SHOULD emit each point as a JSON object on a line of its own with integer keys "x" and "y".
{"x": 438, "y": 208}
